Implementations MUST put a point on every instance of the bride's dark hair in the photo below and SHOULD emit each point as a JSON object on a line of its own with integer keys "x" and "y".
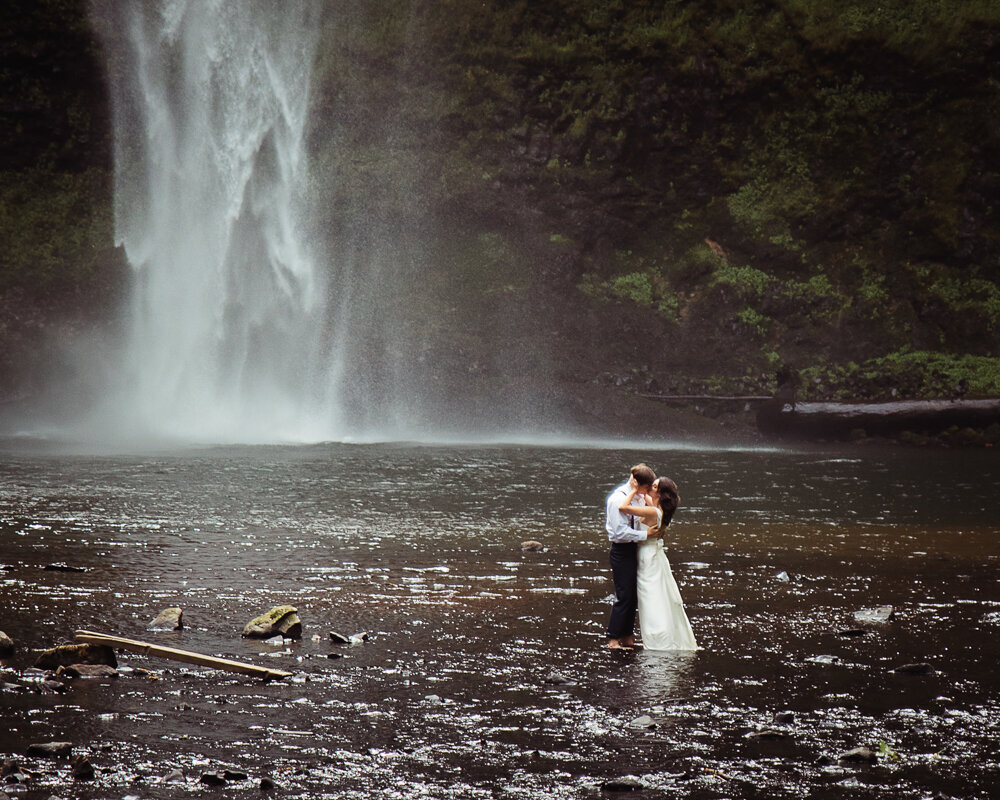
{"x": 670, "y": 498}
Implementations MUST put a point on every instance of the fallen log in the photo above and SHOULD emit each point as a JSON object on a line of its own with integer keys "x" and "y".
{"x": 149, "y": 649}
{"x": 840, "y": 420}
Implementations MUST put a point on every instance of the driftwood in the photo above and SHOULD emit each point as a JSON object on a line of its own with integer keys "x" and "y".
{"x": 839, "y": 420}
{"x": 148, "y": 649}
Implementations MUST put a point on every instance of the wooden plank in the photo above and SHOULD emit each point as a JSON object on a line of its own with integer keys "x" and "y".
{"x": 149, "y": 649}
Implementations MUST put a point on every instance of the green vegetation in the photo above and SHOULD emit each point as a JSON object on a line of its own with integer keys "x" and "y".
{"x": 767, "y": 185}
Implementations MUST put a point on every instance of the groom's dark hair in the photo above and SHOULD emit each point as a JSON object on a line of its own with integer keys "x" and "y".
{"x": 643, "y": 475}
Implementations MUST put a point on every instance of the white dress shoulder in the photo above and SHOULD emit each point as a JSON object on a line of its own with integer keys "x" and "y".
{"x": 662, "y": 620}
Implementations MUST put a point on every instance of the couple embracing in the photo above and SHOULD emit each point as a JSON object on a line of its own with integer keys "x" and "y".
{"x": 638, "y": 512}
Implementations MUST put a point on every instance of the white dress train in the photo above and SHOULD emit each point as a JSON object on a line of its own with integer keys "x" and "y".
{"x": 662, "y": 620}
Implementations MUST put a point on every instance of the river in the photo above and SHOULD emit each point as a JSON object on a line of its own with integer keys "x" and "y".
{"x": 484, "y": 673}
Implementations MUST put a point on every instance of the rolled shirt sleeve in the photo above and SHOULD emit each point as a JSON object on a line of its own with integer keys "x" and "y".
{"x": 617, "y": 523}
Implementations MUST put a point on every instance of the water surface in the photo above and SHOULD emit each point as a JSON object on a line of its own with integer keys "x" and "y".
{"x": 484, "y": 675}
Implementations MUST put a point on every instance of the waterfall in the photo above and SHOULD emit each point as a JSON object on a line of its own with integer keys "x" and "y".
{"x": 210, "y": 100}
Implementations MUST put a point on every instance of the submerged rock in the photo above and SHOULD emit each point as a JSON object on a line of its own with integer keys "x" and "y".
{"x": 644, "y": 721}
{"x": 625, "y": 784}
{"x": 87, "y": 671}
{"x": 915, "y": 669}
{"x": 767, "y": 735}
{"x": 283, "y": 620}
{"x": 532, "y": 546}
{"x": 213, "y": 779}
{"x": 70, "y": 654}
{"x": 51, "y": 749}
{"x": 877, "y": 614}
{"x": 6, "y": 645}
{"x": 62, "y": 566}
{"x": 170, "y": 619}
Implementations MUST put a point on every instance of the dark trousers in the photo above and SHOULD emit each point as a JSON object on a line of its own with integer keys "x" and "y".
{"x": 624, "y": 560}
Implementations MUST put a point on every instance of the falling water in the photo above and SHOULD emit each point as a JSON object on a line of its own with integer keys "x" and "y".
{"x": 210, "y": 101}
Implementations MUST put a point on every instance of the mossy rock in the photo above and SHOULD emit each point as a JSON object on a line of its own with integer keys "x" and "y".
{"x": 283, "y": 620}
{"x": 68, "y": 654}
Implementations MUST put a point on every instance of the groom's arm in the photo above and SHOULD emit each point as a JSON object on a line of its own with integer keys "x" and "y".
{"x": 617, "y": 524}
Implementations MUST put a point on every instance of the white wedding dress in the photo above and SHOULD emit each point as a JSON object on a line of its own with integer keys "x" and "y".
{"x": 662, "y": 620}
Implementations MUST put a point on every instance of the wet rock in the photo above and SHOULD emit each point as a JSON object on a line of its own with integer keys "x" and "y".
{"x": 51, "y": 749}
{"x": 915, "y": 669}
{"x": 283, "y": 620}
{"x": 6, "y": 645}
{"x": 767, "y": 735}
{"x": 558, "y": 679}
{"x": 358, "y": 638}
{"x": 234, "y": 775}
{"x": 9, "y": 767}
{"x": 213, "y": 779}
{"x": 339, "y": 638}
{"x": 644, "y": 721}
{"x": 334, "y": 655}
{"x": 62, "y": 566}
{"x": 52, "y": 686}
{"x": 81, "y": 768}
{"x": 782, "y": 577}
{"x": 87, "y": 671}
{"x": 877, "y": 614}
{"x": 170, "y": 619}
{"x": 531, "y": 546}
{"x": 69, "y": 654}
{"x": 173, "y": 776}
{"x": 784, "y": 717}
{"x": 859, "y": 755}
{"x": 625, "y": 784}
{"x": 266, "y": 785}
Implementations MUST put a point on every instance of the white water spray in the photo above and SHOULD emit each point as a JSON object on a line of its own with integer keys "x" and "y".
{"x": 210, "y": 100}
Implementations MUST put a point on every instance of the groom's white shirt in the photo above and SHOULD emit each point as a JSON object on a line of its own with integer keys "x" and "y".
{"x": 618, "y": 524}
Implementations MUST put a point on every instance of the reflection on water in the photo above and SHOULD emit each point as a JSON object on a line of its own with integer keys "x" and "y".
{"x": 484, "y": 674}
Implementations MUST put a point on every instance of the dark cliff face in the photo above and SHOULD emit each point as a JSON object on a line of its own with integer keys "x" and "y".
{"x": 54, "y": 109}
{"x": 673, "y": 197}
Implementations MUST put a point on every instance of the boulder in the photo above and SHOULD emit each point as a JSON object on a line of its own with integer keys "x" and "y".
{"x": 6, "y": 645}
{"x": 70, "y": 654}
{"x": 81, "y": 768}
{"x": 170, "y": 619}
{"x": 283, "y": 620}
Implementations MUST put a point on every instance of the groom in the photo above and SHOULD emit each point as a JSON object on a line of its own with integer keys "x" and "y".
{"x": 624, "y": 533}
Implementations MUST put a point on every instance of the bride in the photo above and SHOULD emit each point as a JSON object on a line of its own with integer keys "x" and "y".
{"x": 662, "y": 620}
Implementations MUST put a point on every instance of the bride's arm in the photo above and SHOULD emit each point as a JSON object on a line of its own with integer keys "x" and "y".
{"x": 646, "y": 514}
